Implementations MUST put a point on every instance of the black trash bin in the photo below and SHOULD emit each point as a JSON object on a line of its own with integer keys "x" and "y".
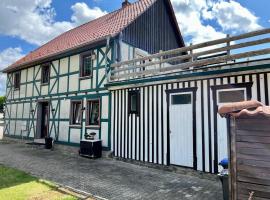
{"x": 224, "y": 178}
{"x": 48, "y": 143}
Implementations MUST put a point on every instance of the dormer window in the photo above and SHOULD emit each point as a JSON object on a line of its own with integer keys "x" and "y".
{"x": 86, "y": 64}
{"x": 45, "y": 74}
{"x": 17, "y": 80}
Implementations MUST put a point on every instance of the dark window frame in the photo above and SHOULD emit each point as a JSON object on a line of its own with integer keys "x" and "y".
{"x": 185, "y": 99}
{"x": 220, "y": 100}
{"x": 131, "y": 93}
{"x": 43, "y": 67}
{"x": 89, "y": 110}
{"x": 17, "y": 83}
{"x": 71, "y": 115}
{"x": 82, "y": 56}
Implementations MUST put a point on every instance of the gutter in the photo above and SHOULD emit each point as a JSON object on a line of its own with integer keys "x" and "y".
{"x": 43, "y": 59}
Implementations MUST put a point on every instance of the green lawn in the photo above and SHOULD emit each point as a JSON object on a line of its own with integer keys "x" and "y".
{"x": 17, "y": 185}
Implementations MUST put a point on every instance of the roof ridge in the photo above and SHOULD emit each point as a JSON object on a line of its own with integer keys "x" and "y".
{"x": 91, "y": 21}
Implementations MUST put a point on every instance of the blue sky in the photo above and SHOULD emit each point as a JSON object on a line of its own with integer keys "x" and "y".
{"x": 27, "y": 24}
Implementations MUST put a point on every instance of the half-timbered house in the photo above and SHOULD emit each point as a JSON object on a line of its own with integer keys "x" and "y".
{"x": 129, "y": 77}
{"x": 59, "y": 90}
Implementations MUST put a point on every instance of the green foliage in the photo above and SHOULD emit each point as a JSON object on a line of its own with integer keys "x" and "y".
{"x": 2, "y": 102}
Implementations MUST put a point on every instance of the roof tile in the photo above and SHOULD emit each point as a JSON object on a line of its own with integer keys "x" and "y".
{"x": 107, "y": 25}
{"x": 246, "y": 108}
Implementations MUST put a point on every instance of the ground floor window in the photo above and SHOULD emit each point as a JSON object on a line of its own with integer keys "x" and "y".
{"x": 134, "y": 102}
{"x": 76, "y": 113}
{"x": 93, "y": 112}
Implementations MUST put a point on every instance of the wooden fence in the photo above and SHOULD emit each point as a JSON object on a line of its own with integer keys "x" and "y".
{"x": 194, "y": 57}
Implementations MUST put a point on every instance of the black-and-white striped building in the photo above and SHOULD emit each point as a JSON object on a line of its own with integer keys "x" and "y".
{"x": 177, "y": 122}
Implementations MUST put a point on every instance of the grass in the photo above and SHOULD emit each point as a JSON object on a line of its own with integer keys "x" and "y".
{"x": 17, "y": 185}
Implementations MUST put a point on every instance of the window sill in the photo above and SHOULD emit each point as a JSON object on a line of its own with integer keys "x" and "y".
{"x": 44, "y": 84}
{"x": 92, "y": 127}
{"x": 85, "y": 77}
{"x": 75, "y": 126}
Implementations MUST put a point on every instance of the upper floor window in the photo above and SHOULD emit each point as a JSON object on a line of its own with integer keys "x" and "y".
{"x": 45, "y": 74}
{"x": 86, "y": 64}
{"x": 93, "y": 113}
{"x": 76, "y": 113}
{"x": 17, "y": 80}
{"x": 134, "y": 102}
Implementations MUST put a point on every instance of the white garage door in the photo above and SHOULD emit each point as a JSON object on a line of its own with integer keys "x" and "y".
{"x": 181, "y": 129}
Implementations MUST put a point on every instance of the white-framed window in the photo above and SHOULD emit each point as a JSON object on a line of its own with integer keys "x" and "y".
{"x": 231, "y": 95}
{"x": 76, "y": 112}
{"x": 93, "y": 113}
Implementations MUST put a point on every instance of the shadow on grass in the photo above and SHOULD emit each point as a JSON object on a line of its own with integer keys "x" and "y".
{"x": 10, "y": 177}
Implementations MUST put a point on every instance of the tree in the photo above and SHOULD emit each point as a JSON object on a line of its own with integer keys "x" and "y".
{"x": 2, "y": 102}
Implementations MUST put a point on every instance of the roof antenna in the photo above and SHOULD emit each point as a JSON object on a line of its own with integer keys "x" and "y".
{"x": 125, "y": 3}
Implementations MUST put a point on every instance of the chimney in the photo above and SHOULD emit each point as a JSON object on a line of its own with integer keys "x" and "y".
{"x": 125, "y": 3}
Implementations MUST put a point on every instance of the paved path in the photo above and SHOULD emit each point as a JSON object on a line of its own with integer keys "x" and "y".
{"x": 107, "y": 178}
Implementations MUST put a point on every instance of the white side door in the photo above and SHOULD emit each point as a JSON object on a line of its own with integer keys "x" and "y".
{"x": 226, "y": 96}
{"x": 181, "y": 129}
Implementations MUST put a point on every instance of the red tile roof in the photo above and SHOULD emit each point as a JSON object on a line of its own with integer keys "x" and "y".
{"x": 93, "y": 31}
{"x": 245, "y": 108}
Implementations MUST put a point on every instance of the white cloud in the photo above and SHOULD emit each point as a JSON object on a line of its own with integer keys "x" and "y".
{"x": 189, "y": 14}
{"x": 194, "y": 15}
{"x": 34, "y": 20}
{"x": 232, "y": 16}
{"x": 82, "y": 13}
{"x": 7, "y": 57}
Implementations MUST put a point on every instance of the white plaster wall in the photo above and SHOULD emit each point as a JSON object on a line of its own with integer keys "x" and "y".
{"x": 74, "y": 63}
{"x": 22, "y": 91}
{"x": 53, "y": 88}
{"x": 100, "y": 76}
{"x": 30, "y": 74}
{"x": 105, "y": 105}
{"x": 64, "y": 66}
{"x": 12, "y": 127}
{"x": 63, "y": 131}
{"x": 44, "y": 89}
{"x": 26, "y": 110}
{"x": 75, "y": 135}
{"x": 63, "y": 84}
{"x": 29, "y": 90}
{"x": 104, "y": 133}
{"x": 19, "y": 110}
{"x": 73, "y": 82}
{"x": 65, "y": 109}
{"x": 85, "y": 84}
{"x": 16, "y": 93}
{"x": 52, "y": 71}
{"x": 23, "y": 76}
{"x": 36, "y": 89}
{"x": 38, "y": 72}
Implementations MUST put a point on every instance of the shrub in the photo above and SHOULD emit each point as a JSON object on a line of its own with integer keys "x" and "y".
{"x": 2, "y": 102}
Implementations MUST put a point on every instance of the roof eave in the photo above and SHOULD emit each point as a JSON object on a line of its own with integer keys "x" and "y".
{"x": 46, "y": 58}
{"x": 176, "y": 23}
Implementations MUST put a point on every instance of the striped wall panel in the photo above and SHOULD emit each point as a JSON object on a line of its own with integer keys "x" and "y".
{"x": 144, "y": 137}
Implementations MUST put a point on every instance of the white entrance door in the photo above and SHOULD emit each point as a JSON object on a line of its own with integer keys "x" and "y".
{"x": 181, "y": 129}
{"x": 223, "y": 97}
